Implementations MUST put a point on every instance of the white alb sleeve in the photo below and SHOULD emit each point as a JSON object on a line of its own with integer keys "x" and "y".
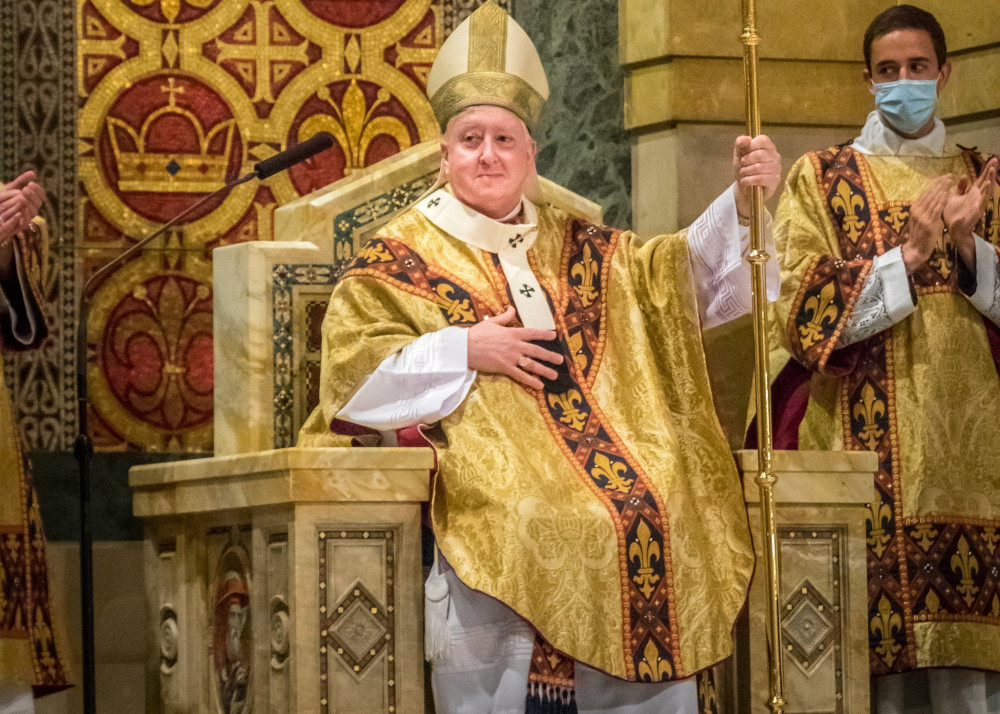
{"x": 986, "y": 299}
{"x": 422, "y": 383}
{"x": 718, "y": 244}
{"x": 884, "y": 300}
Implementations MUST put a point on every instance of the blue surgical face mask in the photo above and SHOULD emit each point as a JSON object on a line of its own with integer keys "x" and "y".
{"x": 906, "y": 104}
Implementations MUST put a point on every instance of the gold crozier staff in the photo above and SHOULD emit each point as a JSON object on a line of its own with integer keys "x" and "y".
{"x": 765, "y": 477}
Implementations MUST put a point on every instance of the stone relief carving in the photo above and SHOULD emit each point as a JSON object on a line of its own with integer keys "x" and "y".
{"x": 168, "y": 640}
{"x": 279, "y": 633}
{"x": 232, "y": 643}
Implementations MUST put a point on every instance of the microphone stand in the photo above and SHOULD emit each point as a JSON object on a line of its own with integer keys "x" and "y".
{"x": 83, "y": 447}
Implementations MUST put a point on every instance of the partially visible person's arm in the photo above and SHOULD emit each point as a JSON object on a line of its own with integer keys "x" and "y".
{"x": 23, "y": 248}
{"x": 720, "y": 237}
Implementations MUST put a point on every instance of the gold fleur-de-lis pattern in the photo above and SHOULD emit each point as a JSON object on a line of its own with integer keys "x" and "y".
{"x": 820, "y": 312}
{"x": 895, "y": 216}
{"x": 177, "y": 96}
{"x": 456, "y": 309}
{"x": 644, "y": 550}
{"x": 566, "y": 406}
{"x": 871, "y": 416}
{"x": 584, "y": 273}
{"x": 397, "y": 264}
{"x": 886, "y": 628}
{"x": 653, "y": 667}
{"x": 878, "y": 526}
{"x": 966, "y": 565}
{"x": 583, "y": 263}
{"x": 849, "y": 203}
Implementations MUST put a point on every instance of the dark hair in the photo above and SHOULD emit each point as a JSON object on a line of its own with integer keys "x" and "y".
{"x": 905, "y": 17}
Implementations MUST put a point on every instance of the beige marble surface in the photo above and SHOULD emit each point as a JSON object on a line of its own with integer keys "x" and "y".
{"x": 813, "y": 477}
{"x": 328, "y": 545}
{"x": 243, "y": 345}
{"x": 310, "y": 218}
{"x": 281, "y": 476}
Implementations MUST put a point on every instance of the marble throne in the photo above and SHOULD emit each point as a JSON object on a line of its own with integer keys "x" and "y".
{"x": 284, "y": 579}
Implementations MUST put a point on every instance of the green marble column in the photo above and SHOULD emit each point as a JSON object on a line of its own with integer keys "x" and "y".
{"x": 582, "y": 141}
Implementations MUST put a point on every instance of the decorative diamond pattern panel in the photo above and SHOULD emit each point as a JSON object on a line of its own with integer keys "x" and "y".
{"x": 357, "y": 614}
{"x": 357, "y": 628}
{"x": 807, "y": 628}
{"x": 813, "y": 616}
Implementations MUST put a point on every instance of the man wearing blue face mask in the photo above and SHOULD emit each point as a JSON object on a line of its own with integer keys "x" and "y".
{"x": 888, "y": 315}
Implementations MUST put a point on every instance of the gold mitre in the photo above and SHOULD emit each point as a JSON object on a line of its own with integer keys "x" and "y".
{"x": 488, "y": 59}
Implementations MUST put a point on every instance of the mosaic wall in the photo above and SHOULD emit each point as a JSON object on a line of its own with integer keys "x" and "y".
{"x": 174, "y": 97}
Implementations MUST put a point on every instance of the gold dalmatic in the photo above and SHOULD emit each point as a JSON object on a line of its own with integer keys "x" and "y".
{"x": 591, "y": 507}
{"x": 28, "y": 652}
{"x": 923, "y": 395}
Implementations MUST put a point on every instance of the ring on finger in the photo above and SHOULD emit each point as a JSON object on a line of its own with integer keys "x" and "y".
{"x": 523, "y": 361}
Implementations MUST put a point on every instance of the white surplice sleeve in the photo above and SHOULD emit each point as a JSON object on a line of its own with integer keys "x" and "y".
{"x": 422, "y": 383}
{"x": 718, "y": 244}
{"x": 986, "y": 298}
{"x": 884, "y": 300}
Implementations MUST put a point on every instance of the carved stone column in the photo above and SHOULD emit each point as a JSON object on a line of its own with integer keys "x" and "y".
{"x": 286, "y": 581}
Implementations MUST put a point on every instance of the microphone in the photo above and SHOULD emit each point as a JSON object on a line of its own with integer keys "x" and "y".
{"x": 83, "y": 447}
{"x": 293, "y": 155}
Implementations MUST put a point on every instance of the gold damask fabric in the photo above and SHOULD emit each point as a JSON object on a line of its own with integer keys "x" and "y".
{"x": 924, "y": 395}
{"x": 28, "y": 652}
{"x": 604, "y": 509}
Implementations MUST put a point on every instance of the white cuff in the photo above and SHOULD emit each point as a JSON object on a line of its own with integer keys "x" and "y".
{"x": 718, "y": 244}
{"x": 895, "y": 284}
{"x": 422, "y": 383}
{"x": 986, "y": 276}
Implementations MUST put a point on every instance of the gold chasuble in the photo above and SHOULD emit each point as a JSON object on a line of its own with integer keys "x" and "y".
{"x": 605, "y": 509}
{"x": 924, "y": 395}
{"x": 28, "y": 653}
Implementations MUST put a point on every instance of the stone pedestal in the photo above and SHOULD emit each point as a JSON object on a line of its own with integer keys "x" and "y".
{"x": 820, "y": 499}
{"x": 285, "y": 581}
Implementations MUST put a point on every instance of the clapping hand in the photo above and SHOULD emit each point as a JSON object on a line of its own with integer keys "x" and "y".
{"x": 20, "y": 201}
{"x": 964, "y": 208}
{"x": 925, "y": 224}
